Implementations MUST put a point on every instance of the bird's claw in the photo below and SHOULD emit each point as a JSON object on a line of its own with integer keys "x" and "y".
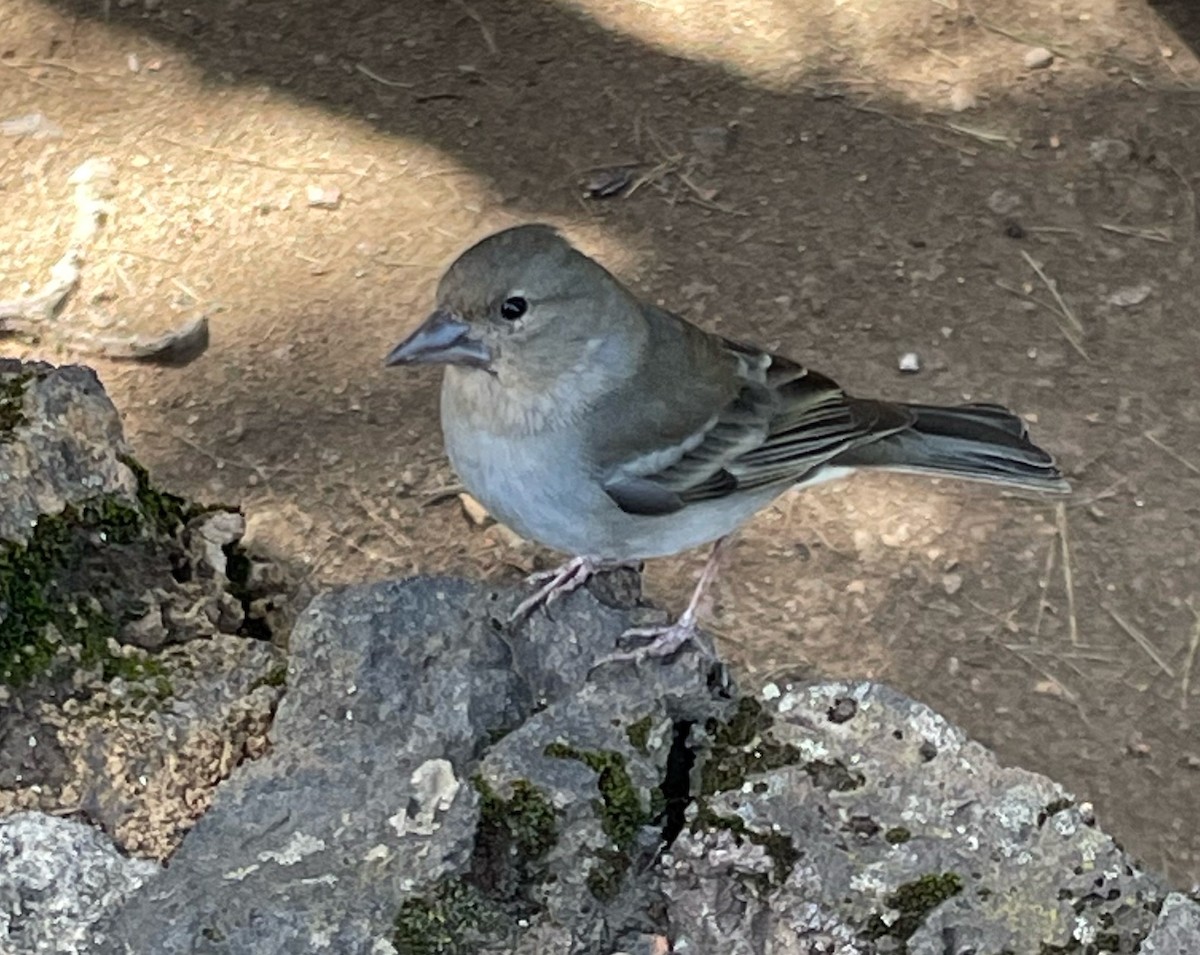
{"x": 560, "y": 581}
{"x": 664, "y": 641}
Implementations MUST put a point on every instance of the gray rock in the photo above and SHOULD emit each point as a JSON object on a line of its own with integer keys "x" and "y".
{"x": 60, "y": 443}
{"x": 438, "y": 783}
{"x": 57, "y": 877}
{"x": 1177, "y": 931}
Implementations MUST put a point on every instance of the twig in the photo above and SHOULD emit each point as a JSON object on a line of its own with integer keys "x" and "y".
{"x": 1150, "y": 235}
{"x": 1185, "y": 679}
{"x": 1141, "y": 640}
{"x": 1073, "y": 330}
{"x": 372, "y": 75}
{"x": 1053, "y": 289}
{"x": 255, "y": 161}
{"x": 1170, "y": 452}
{"x": 483, "y": 27}
{"x": 1060, "y": 513}
{"x": 1068, "y": 694}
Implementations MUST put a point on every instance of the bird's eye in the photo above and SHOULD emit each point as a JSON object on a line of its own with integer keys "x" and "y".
{"x": 513, "y": 308}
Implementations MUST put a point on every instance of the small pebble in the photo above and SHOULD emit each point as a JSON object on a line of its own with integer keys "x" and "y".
{"x": 1038, "y": 58}
{"x": 910, "y": 363}
{"x": 1129, "y": 296}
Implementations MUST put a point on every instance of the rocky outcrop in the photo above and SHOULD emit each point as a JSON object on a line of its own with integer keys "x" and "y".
{"x": 130, "y": 679}
{"x": 436, "y": 781}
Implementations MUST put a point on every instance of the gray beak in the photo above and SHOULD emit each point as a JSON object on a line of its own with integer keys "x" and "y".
{"x": 442, "y": 339}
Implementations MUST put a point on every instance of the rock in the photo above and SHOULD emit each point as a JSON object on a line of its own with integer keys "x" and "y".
{"x": 57, "y": 877}
{"x": 1003, "y": 202}
{"x": 909, "y": 363}
{"x": 1109, "y": 152}
{"x": 1038, "y": 58}
{"x": 61, "y": 443}
{"x": 1130, "y": 295}
{"x": 1177, "y": 929}
{"x": 130, "y": 687}
{"x": 962, "y": 98}
{"x": 435, "y": 780}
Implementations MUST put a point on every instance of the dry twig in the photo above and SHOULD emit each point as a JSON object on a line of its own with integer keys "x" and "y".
{"x": 1068, "y": 574}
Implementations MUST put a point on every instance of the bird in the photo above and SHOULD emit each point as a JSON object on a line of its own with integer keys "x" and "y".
{"x": 614, "y": 431}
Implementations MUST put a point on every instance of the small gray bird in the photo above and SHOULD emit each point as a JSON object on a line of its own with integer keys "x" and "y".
{"x": 602, "y": 426}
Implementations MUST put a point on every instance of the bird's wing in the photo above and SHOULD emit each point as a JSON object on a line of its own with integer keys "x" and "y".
{"x": 780, "y": 423}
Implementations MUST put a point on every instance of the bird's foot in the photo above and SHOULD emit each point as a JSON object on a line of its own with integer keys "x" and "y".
{"x": 664, "y": 641}
{"x": 556, "y": 583}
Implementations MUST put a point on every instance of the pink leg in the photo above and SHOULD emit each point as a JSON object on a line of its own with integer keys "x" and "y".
{"x": 562, "y": 580}
{"x": 667, "y": 639}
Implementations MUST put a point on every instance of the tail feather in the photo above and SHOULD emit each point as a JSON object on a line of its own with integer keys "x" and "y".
{"x": 980, "y": 442}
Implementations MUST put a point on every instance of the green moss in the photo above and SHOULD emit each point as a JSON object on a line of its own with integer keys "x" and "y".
{"x": 276, "y": 676}
{"x": 607, "y": 874}
{"x": 742, "y": 746}
{"x": 897, "y": 835}
{"x": 32, "y": 602}
{"x": 12, "y": 404}
{"x": 526, "y": 818}
{"x": 778, "y": 846}
{"x": 452, "y": 919}
{"x": 914, "y": 901}
{"x": 58, "y": 579}
{"x": 639, "y": 734}
{"x": 621, "y": 812}
{"x": 165, "y": 511}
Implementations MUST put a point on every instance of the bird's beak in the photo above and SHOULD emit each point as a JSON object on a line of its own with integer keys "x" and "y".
{"x": 443, "y": 338}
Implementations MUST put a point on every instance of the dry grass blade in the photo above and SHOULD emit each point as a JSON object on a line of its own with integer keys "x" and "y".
{"x": 488, "y": 38}
{"x": 1060, "y": 514}
{"x": 1043, "y": 583}
{"x": 1149, "y": 235}
{"x": 987, "y": 136}
{"x": 1052, "y": 287}
{"x": 382, "y": 80}
{"x": 1070, "y": 326}
{"x": 1170, "y": 452}
{"x": 1141, "y": 640}
{"x": 1185, "y": 678}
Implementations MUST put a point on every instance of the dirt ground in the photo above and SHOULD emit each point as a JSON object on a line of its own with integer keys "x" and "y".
{"x": 894, "y": 173}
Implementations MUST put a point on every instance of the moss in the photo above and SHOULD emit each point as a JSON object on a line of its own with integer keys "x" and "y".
{"x": 61, "y": 578}
{"x": 914, "y": 901}
{"x": 452, "y": 919}
{"x": 621, "y": 812}
{"x": 12, "y": 404}
{"x": 742, "y": 746}
{"x": 607, "y": 874}
{"x": 32, "y": 603}
{"x": 165, "y": 511}
{"x": 639, "y": 734}
{"x": 276, "y": 676}
{"x": 778, "y": 846}
{"x": 526, "y": 818}
{"x": 897, "y": 835}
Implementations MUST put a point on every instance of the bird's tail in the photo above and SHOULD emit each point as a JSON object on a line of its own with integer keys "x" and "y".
{"x": 980, "y": 442}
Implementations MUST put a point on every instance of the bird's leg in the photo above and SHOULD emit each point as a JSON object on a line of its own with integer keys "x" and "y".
{"x": 665, "y": 640}
{"x": 562, "y": 580}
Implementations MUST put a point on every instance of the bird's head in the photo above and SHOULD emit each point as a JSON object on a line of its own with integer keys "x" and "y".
{"x": 522, "y": 304}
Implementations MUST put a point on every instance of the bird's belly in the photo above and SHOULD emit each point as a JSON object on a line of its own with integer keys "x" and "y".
{"x": 541, "y": 489}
